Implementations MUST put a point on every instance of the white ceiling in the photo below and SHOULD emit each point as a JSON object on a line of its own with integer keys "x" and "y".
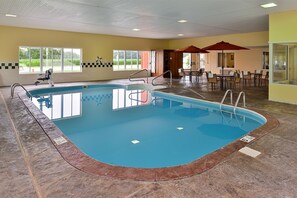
{"x": 156, "y": 18}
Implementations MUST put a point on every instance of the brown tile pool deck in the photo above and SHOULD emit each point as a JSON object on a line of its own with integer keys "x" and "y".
{"x": 84, "y": 163}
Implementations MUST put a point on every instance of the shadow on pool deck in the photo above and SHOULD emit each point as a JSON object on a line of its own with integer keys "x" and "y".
{"x": 32, "y": 167}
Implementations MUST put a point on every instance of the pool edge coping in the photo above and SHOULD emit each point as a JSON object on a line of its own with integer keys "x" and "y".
{"x": 71, "y": 154}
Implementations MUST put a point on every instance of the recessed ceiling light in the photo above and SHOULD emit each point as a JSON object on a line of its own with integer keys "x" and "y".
{"x": 136, "y": 29}
{"x": 268, "y": 5}
{"x": 182, "y": 21}
{"x": 180, "y": 34}
{"x": 10, "y": 15}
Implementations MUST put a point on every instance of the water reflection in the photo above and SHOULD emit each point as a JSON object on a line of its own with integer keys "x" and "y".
{"x": 122, "y": 98}
{"x": 59, "y": 106}
{"x": 67, "y": 105}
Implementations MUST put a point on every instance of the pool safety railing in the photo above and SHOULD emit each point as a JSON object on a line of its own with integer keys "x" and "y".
{"x": 13, "y": 86}
{"x": 133, "y": 74}
{"x": 161, "y": 75}
{"x": 223, "y": 99}
{"x": 238, "y": 98}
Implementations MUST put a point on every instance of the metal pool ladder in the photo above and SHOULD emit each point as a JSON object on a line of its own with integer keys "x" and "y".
{"x": 238, "y": 98}
{"x": 231, "y": 99}
{"x": 147, "y": 74}
{"x": 223, "y": 99}
{"x": 14, "y": 85}
{"x": 161, "y": 75}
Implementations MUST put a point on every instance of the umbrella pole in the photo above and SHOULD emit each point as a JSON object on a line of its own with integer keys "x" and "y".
{"x": 223, "y": 62}
{"x": 222, "y": 79}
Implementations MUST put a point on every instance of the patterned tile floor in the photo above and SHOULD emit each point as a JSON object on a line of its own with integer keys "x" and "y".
{"x": 32, "y": 167}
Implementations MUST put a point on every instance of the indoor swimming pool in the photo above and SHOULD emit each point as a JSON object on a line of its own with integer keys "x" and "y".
{"x": 142, "y": 129}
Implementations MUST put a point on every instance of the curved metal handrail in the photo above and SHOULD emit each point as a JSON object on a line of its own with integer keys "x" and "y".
{"x": 238, "y": 98}
{"x": 223, "y": 99}
{"x": 161, "y": 75}
{"x": 14, "y": 85}
{"x": 133, "y": 74}
{"x": 137, "y": 92}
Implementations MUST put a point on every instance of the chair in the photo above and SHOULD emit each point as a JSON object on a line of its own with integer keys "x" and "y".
{"x": 47, "y": 76}
{"x": 236, "y": 80}
{"x": 212, "y": 79}
{"x": 181, "y": 73}
{"x": 257, "y": 77}
{"x": 198, "y": 74}
{"x": 265, "y": 79}
{"x": 229, "y": 78}
{"x": 246, "y": 77}
{"x": 188, "y": 73}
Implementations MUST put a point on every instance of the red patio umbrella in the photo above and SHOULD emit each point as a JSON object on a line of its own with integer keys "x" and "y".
{"x": 191, "y": 49}
{"x": 224, "y": 46}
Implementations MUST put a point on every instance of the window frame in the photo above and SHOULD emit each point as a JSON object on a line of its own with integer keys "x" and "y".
{"x": 187, "y": 64}
{"x": 125, "y": 66}
{"x": 225, "y": 60}
{"x": 43, "y": 67}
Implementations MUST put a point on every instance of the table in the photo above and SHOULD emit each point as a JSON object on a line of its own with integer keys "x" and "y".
{"x": 223, "y": 78}
{"x": 192, "y": 73}
{"x": 196, "y": 73}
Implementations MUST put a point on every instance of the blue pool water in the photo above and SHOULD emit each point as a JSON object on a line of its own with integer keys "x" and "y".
{"x": 136, "y": 128}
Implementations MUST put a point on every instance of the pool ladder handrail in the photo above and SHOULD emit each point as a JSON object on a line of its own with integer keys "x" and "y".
{"x": 223, "y": 99}
{"x": 133, "y": 74}
{"x": 161, "y": 75}
{"x": 14, "y": 85}
{"x": 237, "y": 100}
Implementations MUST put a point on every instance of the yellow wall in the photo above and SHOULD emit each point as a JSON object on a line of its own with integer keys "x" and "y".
{"x": 253, "y": 39}
{"x": 248, "y": 60}
{"x": 93, "y": 45}
{"x": 283, "y": 93}
{"x": 283, "y": 28}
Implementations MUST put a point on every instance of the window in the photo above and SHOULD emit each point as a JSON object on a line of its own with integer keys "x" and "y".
{"x": 187, "y": 63}
{"x": 203, "y": 60}
{"x": 131, "y": 60}
{"x": 284, "y": 63}
{"x": 280, "y": 63}
{"x": 265, "y": 60}
{"x": 153, "y": 61}
{"x": 228, "y": 60}
{"x": 40, "y": 59}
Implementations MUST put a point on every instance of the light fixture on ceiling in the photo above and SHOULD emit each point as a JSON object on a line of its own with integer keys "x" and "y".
{"x": 136, "y": 29}
{"x": 11, "y": 15}
{"x": 180, "y": 34}
{"x": 182, "y": 21}
{"x": 268, "y": 5}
